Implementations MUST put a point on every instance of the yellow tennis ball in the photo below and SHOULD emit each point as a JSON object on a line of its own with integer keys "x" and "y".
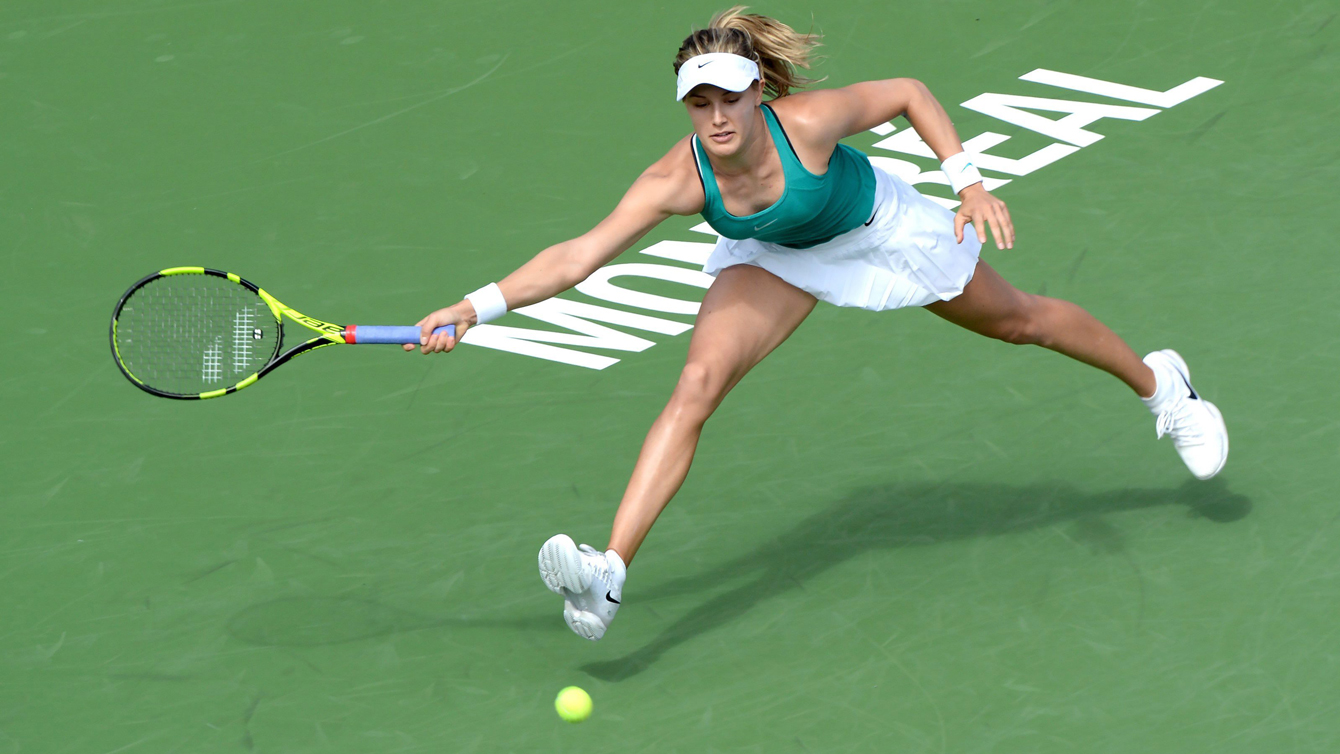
{"x": 573, "y": 704}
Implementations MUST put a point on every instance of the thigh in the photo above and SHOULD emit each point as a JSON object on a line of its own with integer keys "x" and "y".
{"x": 746, "y": 313}
{"x": 986, "y": 303}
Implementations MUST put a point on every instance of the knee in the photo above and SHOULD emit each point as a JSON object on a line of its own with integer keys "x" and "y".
{"x": 1021, "y": 332}
{"x": 1027, "y": 326}
{"x": 701, "y": 387}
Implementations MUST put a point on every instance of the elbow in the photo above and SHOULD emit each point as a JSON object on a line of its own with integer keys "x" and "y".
{"x": 578, "y": 264}
{"x": 914, "y": 90}
{"x": 574, "y": 275}
{"x": 916, "y": 99}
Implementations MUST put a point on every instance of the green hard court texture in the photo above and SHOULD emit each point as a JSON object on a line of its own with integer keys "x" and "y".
{"x": 897, "y": 536}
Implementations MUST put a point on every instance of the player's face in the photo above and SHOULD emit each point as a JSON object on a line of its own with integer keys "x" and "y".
{"x": 722, "y": 119}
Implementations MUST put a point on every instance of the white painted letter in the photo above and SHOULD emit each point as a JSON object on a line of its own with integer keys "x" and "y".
{"x": 599, "y": 286}
{"x": 908, "y": 142}
{"x": 1174, "y": 96}
{"x": 693, "y": 252}
{"x": 573, "y": 316}
{"x": 913, "y": 175}
{"x": 1070, "y": 128}
{"x": 1022, "y": 166}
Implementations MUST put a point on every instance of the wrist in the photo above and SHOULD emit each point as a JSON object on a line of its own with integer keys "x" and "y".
{"x": 488, "y": 303}
{"x": 960, "y": 171}
{"x": 971, "y": 189}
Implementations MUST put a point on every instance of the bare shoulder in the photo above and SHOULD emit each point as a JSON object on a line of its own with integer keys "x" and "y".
{"x": 672, "y": 182}
{"x": 810, "y": 106}
{"x": 809, "y": 115}
{"x": 824, "y": 115}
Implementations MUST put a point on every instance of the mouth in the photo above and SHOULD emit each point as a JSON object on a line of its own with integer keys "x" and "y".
{"x": 722, "y": 137}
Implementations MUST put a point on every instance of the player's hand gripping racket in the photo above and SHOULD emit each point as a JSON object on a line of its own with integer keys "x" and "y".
{"x": 193, "y": 332}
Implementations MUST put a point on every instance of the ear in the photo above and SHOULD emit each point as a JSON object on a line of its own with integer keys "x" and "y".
{"x": 757, "y": 87}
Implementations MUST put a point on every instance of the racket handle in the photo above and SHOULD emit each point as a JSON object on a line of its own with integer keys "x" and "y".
{"x": 364, "y": 334}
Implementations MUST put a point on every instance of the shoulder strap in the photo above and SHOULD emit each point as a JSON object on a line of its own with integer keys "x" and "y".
{"x": 775, "y": 126}
{"x": 711, "y": 194}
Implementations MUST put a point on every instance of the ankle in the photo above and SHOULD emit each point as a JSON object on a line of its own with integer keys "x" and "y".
{"x": 1163, "y": 388}
{"x": 616, "y": 563}
{"x": 1147, "y": 384}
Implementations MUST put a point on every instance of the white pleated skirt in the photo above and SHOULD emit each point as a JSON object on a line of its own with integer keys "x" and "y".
{"x": 906, "y": 256}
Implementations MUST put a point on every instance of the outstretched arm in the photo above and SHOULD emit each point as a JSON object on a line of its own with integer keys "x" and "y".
{"x": 844, "y": 112}
{"x": 653, "y": 197}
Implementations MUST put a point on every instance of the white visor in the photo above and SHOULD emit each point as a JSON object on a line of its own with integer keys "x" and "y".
{"x": 730, "y": 72}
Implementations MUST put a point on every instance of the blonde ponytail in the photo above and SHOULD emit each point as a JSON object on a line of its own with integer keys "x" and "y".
{"x": 778, "y": 49}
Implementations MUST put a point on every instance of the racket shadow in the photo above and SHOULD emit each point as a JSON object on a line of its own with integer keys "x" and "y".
{"x": 894, "y": 516}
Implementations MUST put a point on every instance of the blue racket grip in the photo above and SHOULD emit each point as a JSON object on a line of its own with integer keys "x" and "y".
{"x": 363, "y": 334}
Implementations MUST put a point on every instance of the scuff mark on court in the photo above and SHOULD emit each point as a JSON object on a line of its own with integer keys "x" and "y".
{"x": 396, "y": 114}
{"x": 1074, "y": 266}
{"x": 207, "y": 572}
{"x": 1203, "y": 128}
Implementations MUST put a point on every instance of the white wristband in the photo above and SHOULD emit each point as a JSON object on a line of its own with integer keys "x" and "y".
{"x": 488, "y": 302}
{"x": 960, "y": 171}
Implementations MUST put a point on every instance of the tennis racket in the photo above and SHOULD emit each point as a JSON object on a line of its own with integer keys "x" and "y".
{"x": 193, "y": 333}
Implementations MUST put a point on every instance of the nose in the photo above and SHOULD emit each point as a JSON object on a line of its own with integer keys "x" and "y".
{"x": 718, "y": 115}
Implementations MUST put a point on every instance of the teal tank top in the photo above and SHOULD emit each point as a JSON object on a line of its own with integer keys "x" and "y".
{"x": 813, "y": 208}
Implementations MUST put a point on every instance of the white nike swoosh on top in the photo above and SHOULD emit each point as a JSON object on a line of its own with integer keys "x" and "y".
{"x": 764, "y": 225}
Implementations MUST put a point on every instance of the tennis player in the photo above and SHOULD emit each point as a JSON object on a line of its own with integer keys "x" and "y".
{"x": 803, "y": 218}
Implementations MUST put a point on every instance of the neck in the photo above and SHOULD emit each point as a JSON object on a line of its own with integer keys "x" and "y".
{"x": 756, "y": 145}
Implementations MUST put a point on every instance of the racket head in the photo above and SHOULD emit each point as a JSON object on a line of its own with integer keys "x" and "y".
{"x": 194, "y": 332}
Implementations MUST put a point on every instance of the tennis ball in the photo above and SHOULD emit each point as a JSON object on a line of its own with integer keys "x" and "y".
{"x": 573, "y": 704}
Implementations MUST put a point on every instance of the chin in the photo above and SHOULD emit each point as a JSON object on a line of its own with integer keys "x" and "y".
{"x": 721, "y": 150}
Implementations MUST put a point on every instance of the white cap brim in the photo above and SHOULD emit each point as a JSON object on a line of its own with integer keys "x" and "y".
{"x": 730, "y": 72}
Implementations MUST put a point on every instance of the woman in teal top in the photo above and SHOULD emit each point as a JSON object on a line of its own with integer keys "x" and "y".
{"x": 812, "y": 208}
{"x": 803, "y": 218}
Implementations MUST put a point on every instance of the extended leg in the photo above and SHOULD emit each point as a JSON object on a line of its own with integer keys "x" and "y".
{"x": 746, "y": 314}
{"x": 992, "y": 307}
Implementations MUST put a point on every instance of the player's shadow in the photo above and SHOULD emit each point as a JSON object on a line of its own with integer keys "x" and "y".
{"x": 899, "y": 515}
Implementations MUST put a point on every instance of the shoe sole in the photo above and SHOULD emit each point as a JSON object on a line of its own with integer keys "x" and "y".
{"x": 1181, "y": 365}
{"x": 584, "y": 624}
{"x": 561, "y": 565}
{"x": 1218, "y": 417}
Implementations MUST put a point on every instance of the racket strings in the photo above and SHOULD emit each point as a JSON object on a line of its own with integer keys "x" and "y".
{"x": 190, "y": 334}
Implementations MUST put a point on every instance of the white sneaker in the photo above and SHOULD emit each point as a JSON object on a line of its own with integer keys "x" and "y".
{"x": 591, "y": 583}
{"x": 1196, "y": 426}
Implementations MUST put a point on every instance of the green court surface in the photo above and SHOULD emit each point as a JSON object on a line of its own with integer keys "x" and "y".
{"x": 897, "y": 536}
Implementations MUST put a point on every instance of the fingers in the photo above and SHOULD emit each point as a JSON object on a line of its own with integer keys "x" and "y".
{"x": 430, "y": 342}
{"x": 981, "y": 214}
{"x": 426, "y": 327}
{"x": 1008, "y": 225}
{"x": 994, "y": 221}
{"x": 1001, "y": 228}
{"x": 442, "y": 342}
{"x": 438, "y": 343}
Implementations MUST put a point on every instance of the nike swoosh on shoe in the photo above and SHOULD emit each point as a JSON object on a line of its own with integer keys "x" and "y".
{"x": 1190, "y": 389}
